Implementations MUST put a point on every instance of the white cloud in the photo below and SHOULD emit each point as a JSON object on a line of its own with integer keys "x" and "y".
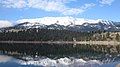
{"x": 106, "y": 2}
{"x": 5, "y": 23}
{"x": 14, "y": 3}
{"x": 58, "y": 5}
{"x": 87, "y": 6}
{"x": 72, "y": 11}
{"x": 48, "y": 5}
{"x": 75, "y": 11}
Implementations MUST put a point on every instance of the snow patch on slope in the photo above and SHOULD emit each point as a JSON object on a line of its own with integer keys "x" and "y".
{"x": 58, "y": 20}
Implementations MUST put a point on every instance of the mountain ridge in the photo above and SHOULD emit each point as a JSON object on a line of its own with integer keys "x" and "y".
{"x": 67, "y": 23}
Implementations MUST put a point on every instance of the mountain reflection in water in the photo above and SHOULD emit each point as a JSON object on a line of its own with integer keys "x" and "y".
{"x": 59, "y": 55}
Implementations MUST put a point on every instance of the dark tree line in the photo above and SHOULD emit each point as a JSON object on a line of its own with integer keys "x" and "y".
{"x": 44, "y": 35}
{"x": 57, "y": 35}
{"x": 59, "y": 49}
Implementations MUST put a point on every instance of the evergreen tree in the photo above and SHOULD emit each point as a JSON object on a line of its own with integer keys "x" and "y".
{"x": 117, "y": 37}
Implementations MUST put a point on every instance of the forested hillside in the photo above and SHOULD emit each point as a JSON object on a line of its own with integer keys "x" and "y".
{"x": 57, "y": 35}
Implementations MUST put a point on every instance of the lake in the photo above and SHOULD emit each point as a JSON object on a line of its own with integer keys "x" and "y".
{"x": 59, "y": 55}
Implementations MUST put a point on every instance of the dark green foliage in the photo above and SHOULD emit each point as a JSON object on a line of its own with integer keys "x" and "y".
{"x": 62, "y": 50}
{"x": 44, "y": 35}
{"x": 117, "y": 37}
{"x": 57, "y": 35}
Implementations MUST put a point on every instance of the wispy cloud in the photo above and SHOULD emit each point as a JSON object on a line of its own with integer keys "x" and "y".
{"x": 14, "y": 3}
{"x": 5, "y": 23}
{"x": 48, "y": 5}
{"x": 75, "y": 11}
{"x": 106, "y": 2}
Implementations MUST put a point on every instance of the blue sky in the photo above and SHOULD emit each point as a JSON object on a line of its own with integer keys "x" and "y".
{"x": 13, "y": 10}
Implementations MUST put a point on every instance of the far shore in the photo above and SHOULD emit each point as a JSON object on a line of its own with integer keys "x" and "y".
{"x": 68, "y": 42}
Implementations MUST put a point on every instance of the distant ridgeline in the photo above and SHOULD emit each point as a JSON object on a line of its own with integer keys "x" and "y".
{"x": 58, "y": 35}
{"x": 27, "y": 31}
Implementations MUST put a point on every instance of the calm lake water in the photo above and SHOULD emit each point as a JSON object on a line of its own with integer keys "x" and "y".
{"x": 59, "y": 55}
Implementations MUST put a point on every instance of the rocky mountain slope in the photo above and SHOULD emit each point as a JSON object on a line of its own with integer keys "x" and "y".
{"x": 66, "y": 23}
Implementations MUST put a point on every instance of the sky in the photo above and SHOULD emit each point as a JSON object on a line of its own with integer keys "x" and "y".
{"x": 13, "y": 10}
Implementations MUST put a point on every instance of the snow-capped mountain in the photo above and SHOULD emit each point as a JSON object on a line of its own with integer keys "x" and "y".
{"x": 28, "y": 25}
{"x": 58, "y": 20}
{"x": 67, "y": 23}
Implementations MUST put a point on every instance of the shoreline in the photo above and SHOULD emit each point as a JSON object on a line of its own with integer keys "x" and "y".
{"x": 66, "y": 42}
